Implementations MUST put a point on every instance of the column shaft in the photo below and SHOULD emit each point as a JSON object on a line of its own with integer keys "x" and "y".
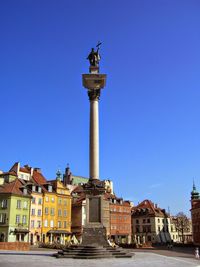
{"x": 94, "y": 139}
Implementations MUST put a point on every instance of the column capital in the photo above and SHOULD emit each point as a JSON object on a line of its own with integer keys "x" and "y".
{"x": 94, "y": 95}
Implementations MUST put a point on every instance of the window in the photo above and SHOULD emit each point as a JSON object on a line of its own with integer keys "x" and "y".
{"x": 158, "y": 220}
{"x": 60, "y": 201}
{"x": 52, "y": 199}
{"x": 51, "y": 223}
{"x": 144, "y": 221}
{"x": 25, "y": 191}
{"x": 65, "y": 224}
{"x": 40, "y": 201}
{"x": 65, "y": 202}
{"x": 59, "y": 224}
{"x": 52, "y": 211}
{"x": 17, "y": 218}
{"x": 50, "y": 188}
{"x": 39, "y": 189}
{"x": 159, "y": 228}
{"x": 46, "y": 211}
{"x": 47, "y": 199}
{"x": 33, "y": 200}
{"x": 39, "y": 212}
{"x": 4, "y": 203}
{"x": 38, "y": 224}
{"x": 25, "y": 206}
{"x": 148, "y": 220}
{"x": 137, "y": 221}
{"x": 24, "y": 219}
{"x": 45, "y": 223}
{"x": 2, "y": 218}
{"x": 18, "y": 204}
{"x": 32, "y": 223}
{"x": 65, "y": 213}
{"x": 33, "y": 212}
{"x": 33, "y": 188}
{"x": 59, "y": 213}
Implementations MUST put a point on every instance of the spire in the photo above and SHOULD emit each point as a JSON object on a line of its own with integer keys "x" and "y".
{"x": 67, "y": 177}
{"x": 194, "y": 193}
{"x": 58, "y": 175}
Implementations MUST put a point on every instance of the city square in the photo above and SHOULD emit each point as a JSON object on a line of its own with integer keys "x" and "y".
{"x": 99, "y": 142}
{"x": 141, "y": 259}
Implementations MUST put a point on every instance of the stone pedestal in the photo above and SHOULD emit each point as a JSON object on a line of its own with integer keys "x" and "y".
{"x": 94, "y": 232}
{"x": 94, "y": 237}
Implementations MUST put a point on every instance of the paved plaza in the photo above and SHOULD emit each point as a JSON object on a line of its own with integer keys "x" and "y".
{"x": 141, "y": 259}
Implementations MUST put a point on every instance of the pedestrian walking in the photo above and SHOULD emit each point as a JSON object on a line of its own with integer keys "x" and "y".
{"x": 197, "y": 253}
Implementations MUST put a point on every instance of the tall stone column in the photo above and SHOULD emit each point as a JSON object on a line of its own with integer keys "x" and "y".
{"x": 94, "y": 82}
{"x": 94, "y": 133}
{"x": 94, "y": 231}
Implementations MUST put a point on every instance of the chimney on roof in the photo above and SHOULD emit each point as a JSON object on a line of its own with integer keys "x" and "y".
{"x": 29, "y": 168}
{"x": 38, "y": 170}
{"x": 18, "y": 168}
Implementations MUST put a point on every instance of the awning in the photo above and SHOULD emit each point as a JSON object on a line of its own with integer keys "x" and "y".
{"x": 58, "y": 232}
{"x": 21, "y": 230}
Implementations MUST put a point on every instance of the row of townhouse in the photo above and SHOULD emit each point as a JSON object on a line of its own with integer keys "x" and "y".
{"x": 33, "y": 209}
{"x": 151, "y": 224}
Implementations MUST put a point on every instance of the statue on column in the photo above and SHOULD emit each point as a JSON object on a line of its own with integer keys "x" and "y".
{"x": 94, "y": 56}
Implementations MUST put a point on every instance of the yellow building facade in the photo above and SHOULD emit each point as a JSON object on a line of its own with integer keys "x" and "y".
{"x": 56, "y": 219}
{"x": 36, "y": 210}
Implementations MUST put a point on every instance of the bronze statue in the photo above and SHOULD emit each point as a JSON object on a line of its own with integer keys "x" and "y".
{"x": 94, "y": 56}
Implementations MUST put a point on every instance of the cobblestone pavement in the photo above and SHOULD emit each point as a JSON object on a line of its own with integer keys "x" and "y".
{"x": 44, "y": 259}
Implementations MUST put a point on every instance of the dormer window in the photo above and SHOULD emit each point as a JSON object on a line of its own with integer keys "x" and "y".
{"x": 33, "y": 188}
{"x": 39, "y": 189}
{"x": 49, "y": 188}
{"x": 25, "y": 191}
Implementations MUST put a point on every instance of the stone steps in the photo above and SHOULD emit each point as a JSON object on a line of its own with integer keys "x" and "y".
{"x": 92, "y": 252}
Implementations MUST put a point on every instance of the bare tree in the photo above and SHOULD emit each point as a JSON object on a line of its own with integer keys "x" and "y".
{"x": 182, "y": 224}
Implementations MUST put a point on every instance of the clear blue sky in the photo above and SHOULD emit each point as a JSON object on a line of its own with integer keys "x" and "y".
{"x": 149, "y": 110}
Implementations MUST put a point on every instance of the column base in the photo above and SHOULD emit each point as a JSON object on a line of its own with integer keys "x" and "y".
{"x": 94, "y": 236}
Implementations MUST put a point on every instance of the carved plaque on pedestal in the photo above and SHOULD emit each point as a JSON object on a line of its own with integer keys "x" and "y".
{"x": 94, "y": 210}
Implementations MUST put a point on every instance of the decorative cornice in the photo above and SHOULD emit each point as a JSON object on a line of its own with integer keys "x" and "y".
{"x": 94, "y": 187}
{"x": 94, "y": 95}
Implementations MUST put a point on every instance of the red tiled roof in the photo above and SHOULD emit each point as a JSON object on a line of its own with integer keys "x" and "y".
{"x": 78, "y": 189}
{"x": 39, "y": 178}
{"x": 14, "y": 166}
{"x": 13, "y": 187}
{"x": 148, "y": 205}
